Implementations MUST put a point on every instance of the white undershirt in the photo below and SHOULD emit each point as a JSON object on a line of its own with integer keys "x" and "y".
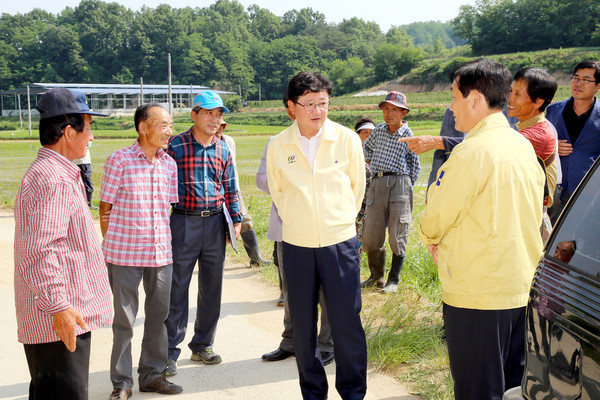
{"x": 310, "y": 146}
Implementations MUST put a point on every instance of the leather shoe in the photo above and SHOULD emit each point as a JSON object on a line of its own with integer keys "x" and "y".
{"x": 327, "y": 357}
{"x": 120, "y": 394}
{"x": 162, "y": 386}
{"x": 277, "y": 355}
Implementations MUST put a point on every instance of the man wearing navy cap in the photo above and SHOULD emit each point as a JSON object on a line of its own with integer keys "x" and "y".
{"x": 206, "y": 184}
{"x": 395, "y": 170}
{"x": 61, "y": 285}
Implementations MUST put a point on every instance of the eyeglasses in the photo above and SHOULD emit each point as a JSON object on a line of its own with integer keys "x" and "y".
{"x": 584, "y": 82}
{"x": 310, "y": 107}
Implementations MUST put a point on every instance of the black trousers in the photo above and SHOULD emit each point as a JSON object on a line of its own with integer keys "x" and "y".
{"x": 56, "y": 373}
{"x": 486, "y": 350}
{"x": 335, "y": 269}
{"x": 86, "y": 176}
{"x": 196, "y": 240}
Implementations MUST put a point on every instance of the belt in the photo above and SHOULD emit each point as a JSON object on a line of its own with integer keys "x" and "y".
{"x": 199, "y": 213}
{"x": 380, "y": 174}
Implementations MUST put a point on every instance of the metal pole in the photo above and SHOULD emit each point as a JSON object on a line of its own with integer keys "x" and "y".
{"x": 20, "y": 114}
{"x": 191, "y": 94}
{"x": 141, "y": 101}
{"x": 29, "y": 109}
{"x": 259, "y": 92}
{"x": 170, "y": 92}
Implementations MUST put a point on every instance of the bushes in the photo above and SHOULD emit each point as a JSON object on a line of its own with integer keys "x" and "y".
{"x": 556, "y": 61}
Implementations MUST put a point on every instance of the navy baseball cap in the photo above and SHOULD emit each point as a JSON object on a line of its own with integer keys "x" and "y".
{"x": 209, "y": 100}
{"x": 61, "y": 101}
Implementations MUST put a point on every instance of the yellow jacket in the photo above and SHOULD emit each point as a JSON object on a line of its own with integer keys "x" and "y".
{"x": 484, "y": 212}
{"x": 317, "y": 206}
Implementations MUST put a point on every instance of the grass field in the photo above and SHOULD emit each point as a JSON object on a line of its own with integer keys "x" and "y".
{"x": 403, "y": 330}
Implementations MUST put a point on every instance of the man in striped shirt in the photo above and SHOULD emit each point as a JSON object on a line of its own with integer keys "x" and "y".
{"x": 139, "y": 185}
{"x": 61, "y": 286}
{"x": 395, "y": 171}
{"x": 206, "y": 184}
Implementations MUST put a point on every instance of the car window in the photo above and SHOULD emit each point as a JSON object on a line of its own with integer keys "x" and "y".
{"x": 578, "y": 240}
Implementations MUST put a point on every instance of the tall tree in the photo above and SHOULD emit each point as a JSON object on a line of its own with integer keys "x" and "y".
{"x": 103, "y": 30}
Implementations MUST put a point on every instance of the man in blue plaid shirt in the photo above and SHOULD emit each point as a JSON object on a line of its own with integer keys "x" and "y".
{"x": 395, "y": 171}
{"x": 206, "y": 184}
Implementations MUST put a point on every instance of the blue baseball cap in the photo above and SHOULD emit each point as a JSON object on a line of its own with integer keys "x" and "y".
{"x": 209, "y": 100}
{"x": 61, "y": 101}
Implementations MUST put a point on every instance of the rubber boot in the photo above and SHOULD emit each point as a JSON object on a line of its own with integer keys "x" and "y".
{"x": 391, "y": 285}
{"x": 376, "y": 259}
{"x": 251, "y": 246}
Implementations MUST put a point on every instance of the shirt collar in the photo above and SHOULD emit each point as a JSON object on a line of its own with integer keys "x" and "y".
{"x": 137, "y": 151}
{"x": 316, "y": 137}
{"x": 400, "y": 131}
{"x": 494, "y": 120}
{"x": 528, "y": 123}
{"x": 585, "y": 115}
{"x": 190, "y": 137}
{"x": 70, "y": 168}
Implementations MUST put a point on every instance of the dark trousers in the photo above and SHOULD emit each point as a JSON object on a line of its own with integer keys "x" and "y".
{"x": 56, "y": 373}
{"x": 287, "y": 343}
{"x": 335, "y": 269}
{"x": 86, "y": 176}
{"x": 196, "y": 240}
{"x": 486, "y": 350}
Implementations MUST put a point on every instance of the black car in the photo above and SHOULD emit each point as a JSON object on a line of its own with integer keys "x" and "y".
{"x": 562, "y": 359}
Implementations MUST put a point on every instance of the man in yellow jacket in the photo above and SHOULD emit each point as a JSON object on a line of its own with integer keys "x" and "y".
{"x": 316, "y": 176}
{"x": 481, "y": 225}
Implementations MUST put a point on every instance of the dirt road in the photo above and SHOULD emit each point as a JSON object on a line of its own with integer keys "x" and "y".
{"x": 250, "y": 325}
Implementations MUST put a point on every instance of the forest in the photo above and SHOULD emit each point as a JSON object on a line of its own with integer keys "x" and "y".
{"x": 227, "y": 47}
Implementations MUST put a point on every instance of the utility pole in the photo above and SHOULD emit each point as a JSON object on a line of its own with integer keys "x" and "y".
{"x": 259, "y": 92}
{"x": 20, "y": 114}
{"x": 170, "y": 92}
{"x": 29, "y": 109}
{"x": 141, "y": 100}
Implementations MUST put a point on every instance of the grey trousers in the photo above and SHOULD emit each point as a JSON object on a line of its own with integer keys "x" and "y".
{"x": 389, "y": 205}
{"x": 287, "y": 343}
{"x": 124, "y": 282}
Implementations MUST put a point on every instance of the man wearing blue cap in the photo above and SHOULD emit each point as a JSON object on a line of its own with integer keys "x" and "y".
{"x": 206, "y": 184}
{"x": 61, "y": 285}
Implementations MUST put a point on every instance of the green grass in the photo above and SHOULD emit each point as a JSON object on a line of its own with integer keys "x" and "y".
{"x": 403, "y": 330}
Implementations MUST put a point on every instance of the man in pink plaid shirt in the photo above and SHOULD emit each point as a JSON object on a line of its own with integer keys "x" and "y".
{"x": 139, "y": 185}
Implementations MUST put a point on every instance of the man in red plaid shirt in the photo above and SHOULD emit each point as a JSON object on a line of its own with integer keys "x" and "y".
{"x": 61, "y": 286}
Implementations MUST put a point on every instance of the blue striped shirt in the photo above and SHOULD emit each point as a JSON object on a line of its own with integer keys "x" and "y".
{"x": 385, "y": 154}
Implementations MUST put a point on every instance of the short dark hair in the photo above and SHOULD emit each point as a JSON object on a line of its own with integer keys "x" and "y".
{"x": 308, "y": 82}
{"x": 285, "y": 98}
{"x": 593, "y": 64}
{"x": 540, "y": 84}
{"x": 52, "y": 129}
{"x": 362, "y": 121}
{"x": 142, "y": 114}
{"x": 490, "y": 78}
